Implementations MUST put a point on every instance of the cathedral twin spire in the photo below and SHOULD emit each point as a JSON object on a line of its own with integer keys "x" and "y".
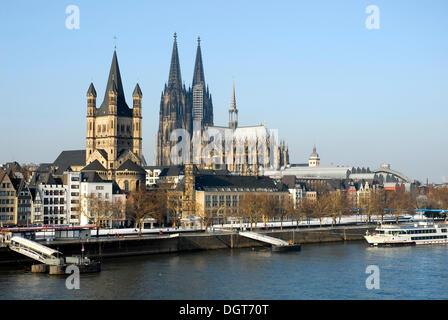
{"x": 176, "y": 105}
{"x": 175, "y": 79}
{"x": 198, "y": 74}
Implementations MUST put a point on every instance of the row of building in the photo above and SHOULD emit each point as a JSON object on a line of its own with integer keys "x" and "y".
{"x": 44, "y": 197}
{"x": 51, "y": 196}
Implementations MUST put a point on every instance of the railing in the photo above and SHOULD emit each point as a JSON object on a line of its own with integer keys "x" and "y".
{"x": 264, "y": 238}
{"x": 34, "y": 253}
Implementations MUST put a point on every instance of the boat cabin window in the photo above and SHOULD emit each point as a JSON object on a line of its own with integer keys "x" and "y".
{"x": 443, "y": 230}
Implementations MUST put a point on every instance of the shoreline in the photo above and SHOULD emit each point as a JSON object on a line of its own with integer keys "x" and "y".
{"x": 104, "y": 248}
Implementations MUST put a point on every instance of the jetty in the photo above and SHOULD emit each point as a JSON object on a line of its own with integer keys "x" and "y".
{"x": 51, "y": 260}
{"x": 277, "y": 245}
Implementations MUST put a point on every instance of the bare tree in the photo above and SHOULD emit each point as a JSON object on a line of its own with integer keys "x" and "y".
{"x": 249, "y": 207}
{"x": 267, "y": 207}
{"x": 337, "y": 205}
{"x": 306, "y": 208}
{"x": 398, "y": 203}
{"x": 319, "y": 208}
{"x": 142, "y": 204}
{"x": 174, "y": 206}
{"x": 98, "y": 210}
{"x": 285, "y": 208}
{"x": 438, "y": 199}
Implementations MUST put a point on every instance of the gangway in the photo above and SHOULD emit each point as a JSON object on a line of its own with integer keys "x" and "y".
{"x": 35, "y": 251}
{"x": 277, "y": 244}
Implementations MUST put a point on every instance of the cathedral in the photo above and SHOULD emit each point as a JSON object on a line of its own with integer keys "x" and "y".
{"x": 192, "y": 111}
{"x": 114, "y": 133}
{"x": 176, "y": 105}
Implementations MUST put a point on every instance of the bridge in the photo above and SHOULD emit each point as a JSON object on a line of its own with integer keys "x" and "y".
{"x": 277, "y": 244}
{"x": 35, "y": 251}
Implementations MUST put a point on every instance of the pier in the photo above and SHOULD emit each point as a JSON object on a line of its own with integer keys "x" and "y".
{"x": 276, "y": 244}
{"x": 51, "y": 260}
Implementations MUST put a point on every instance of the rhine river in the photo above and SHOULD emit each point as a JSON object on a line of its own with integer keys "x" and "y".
{"x": 319, "y": 271}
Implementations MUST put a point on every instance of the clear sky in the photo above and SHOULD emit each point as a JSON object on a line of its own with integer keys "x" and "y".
{"x": 308, "y": 68}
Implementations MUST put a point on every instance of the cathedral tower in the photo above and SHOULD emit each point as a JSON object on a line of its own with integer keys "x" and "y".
{"x": 175, "y": 111}
{"x": 179, "y": 107}
{"x": 199, "y": 83}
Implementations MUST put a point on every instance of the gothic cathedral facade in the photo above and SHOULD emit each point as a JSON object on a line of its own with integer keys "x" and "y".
{"x": 192, "y": 111}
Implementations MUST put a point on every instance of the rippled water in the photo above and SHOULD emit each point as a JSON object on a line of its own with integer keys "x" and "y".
{"x": 326, "y": 271}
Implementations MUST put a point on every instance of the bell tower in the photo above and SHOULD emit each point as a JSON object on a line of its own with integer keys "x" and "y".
{"x": 91, "y": 107}
{"x": 137, "y": 121}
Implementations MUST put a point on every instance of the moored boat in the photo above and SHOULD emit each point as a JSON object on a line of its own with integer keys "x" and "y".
{"x": 408, "y": 235}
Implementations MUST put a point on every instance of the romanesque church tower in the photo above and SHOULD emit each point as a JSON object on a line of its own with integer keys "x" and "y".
{"x": 114, "y": 132}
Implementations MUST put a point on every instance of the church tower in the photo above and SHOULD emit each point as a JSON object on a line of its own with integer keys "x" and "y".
{"x": 199, "y": 84}
{"x": 174, "y": 112}
{"x": 314, "y": 160}
{"x": 137, "y": 121}
{"x": 180, "y": 108}
{"x": 114, "y": 133}
{"x": 91, "y": 108}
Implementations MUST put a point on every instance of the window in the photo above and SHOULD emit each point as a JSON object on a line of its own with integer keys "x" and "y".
{"x": 99, "y": 187}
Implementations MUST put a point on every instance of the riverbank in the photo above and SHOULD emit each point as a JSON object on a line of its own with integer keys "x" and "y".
{"x": 156, "y": 244}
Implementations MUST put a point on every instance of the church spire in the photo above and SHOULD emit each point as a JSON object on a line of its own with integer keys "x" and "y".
{"x": 114, "y": 84}
{"x": 198, "y": 75}
{"x": 233, "y": 101}
{"x": 233, "y": 111}
{"x": 114, "y": 76}
{"x": 175, "y": 79}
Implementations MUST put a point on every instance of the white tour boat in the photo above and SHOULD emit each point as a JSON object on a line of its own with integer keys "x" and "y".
{"x": 408, "y": 235}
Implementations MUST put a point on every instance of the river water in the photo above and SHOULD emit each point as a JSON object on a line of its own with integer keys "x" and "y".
{"x": 319, "y": 271}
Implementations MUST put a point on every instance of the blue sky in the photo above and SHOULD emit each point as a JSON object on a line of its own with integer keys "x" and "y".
{"x": 308, "y": 68}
